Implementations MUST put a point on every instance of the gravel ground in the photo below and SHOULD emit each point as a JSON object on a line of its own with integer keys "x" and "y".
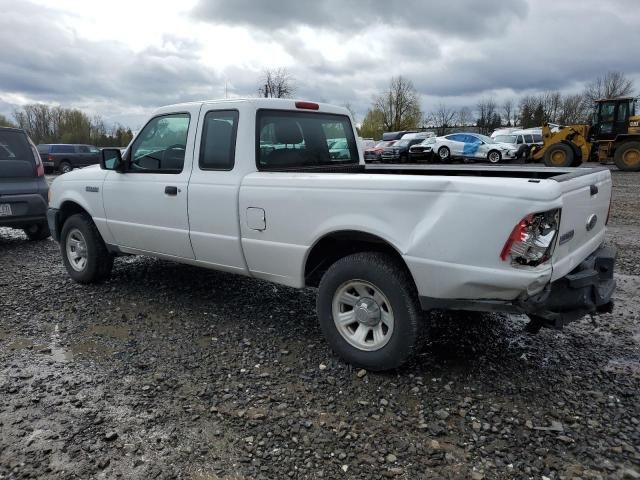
{"x": 168, "y": 371}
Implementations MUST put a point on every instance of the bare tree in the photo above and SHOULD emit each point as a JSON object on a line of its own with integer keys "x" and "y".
{"x": 399, "y": 105}
{"x": 551, "y": 105}
{"x": 352, "y": 111}
{"x": 442, "y": 117}
{"x": 488, "y": 119}
{"x": 572, "y": 110}
{"x": 277, "y": 83}
{"x": 611, "y": 84}
{"x": 464, "y": 117}
{"x": 507, "y": 108}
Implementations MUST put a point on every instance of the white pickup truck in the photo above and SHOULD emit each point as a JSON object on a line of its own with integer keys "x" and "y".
{"x": 256, "y": 187}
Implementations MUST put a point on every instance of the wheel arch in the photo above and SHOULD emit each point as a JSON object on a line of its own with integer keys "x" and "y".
{"x": 67, "y": 208}
{"x": 332, "y": 246}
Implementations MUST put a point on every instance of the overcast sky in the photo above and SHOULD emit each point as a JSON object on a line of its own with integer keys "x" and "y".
{"x": 123, "y": 58}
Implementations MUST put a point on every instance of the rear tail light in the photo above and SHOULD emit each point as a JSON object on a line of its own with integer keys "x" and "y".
{"x": 50, "y": 158}
{"x": 533, "y": 239}
{"x": 40, "y": 170}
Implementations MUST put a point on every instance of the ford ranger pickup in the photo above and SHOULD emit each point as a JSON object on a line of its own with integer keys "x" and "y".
{"x": 251, "y": 187}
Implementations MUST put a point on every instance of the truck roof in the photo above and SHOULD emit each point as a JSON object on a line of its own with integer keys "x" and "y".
{"x": 267, "y": 103}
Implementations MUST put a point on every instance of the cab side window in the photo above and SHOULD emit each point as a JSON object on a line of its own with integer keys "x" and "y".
{"x": 160, "y": 147}
{"x": 218, "y": 143}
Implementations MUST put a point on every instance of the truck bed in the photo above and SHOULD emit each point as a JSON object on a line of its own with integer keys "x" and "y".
{"x": 503, "y": 171}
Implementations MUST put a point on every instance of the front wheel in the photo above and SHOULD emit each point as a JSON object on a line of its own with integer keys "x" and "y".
{"x": 559, "y": 155}
{"x": 369, "y": 311}
{"x": 84, "y": 253}
{"x": 494, "y": 156}
{"x": 444, "y": 153}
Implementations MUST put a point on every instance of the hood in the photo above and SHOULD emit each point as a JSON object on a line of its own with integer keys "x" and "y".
{"x": 507, "y": 146}
{"x": 92, "y": 172}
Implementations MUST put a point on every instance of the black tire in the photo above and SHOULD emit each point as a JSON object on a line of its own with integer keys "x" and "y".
{"x": 627, "y": 157}
{"x": 494, "y": 156}
{"x": 37, "y": 232}
{"x": 559, "y": 155}
{"x": 444, "y": 154}
{"x": 99, "y": 260}
{"x": 65, "y": 167}
{"x": 383, "y": 272}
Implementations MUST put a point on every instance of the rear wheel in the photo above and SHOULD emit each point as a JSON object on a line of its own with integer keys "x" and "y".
{"x": 369, "y": 311}
{"x": 37, "y": 231}
{"x": 65, "y": 167}
{"x": 559, "y": 155}
{"x": 444, "y": 153}
{"x": 627, "y": 157}
{"x": 84, "y": 253}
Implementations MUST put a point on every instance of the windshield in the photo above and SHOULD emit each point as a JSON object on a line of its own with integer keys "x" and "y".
{"x": 505, "y": 138}
{"x": 484, "y": 138}
{"x": 14, "y": 146}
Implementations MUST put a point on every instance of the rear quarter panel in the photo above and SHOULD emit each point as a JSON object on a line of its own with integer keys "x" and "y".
{"x": 438, "y": 224}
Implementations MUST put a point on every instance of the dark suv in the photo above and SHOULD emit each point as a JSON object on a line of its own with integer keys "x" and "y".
{"x": 23, "y": 188}
{"x": 66, "y": 157}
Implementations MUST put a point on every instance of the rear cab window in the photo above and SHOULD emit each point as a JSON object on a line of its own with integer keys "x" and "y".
{"x": 287, "y": 140}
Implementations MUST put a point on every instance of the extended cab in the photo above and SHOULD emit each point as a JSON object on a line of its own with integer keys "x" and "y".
{"x": 251, "y": 187}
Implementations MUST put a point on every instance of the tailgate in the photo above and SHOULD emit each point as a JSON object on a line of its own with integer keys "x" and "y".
{"x": 585, "y": 206}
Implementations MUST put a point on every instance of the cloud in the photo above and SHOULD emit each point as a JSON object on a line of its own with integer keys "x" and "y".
{"x": 55, "y": 65}
{"x": 464, "y": 18}
{"x": 340, "y": 52}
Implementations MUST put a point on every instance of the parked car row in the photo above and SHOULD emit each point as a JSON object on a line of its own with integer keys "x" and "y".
{"x": 425, "y": 146}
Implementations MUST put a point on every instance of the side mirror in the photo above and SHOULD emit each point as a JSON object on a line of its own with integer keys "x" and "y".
{"x": 111, "y": 159}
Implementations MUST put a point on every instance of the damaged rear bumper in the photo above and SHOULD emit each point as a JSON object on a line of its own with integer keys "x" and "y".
{"x": 588, "y": 288}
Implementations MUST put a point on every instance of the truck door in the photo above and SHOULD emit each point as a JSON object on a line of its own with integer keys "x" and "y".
{"x": 213, "y": 190}
{"x": 146, "y": 206}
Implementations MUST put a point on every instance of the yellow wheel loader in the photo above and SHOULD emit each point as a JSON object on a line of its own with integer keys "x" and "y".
{"x": 613, "y": 135}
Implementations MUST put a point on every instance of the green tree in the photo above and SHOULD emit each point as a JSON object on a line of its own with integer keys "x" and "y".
{"x": 5, "y": 122}
{"x": 373, "y": 124}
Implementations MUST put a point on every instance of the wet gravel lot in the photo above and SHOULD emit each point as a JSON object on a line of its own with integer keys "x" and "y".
{"x": 168, "y": 371}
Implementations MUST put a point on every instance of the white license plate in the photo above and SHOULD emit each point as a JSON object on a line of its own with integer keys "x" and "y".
{"x": 5, "y": 210}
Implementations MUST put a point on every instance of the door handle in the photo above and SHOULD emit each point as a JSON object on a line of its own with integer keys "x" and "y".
{"x": 170, "y": 190}
{"x": 593, "y": 190}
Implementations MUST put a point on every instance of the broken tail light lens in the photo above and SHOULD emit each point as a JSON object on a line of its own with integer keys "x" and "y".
{"x": 533, "y": 239}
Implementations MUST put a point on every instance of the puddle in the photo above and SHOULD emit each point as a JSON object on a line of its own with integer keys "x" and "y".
{"x": 21, "y": 344}
{"x": 624, "y": 366}
{"x": 58, "y": 353}
{"x": 90, "y": 349}
{"x": 120, "y": 331}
